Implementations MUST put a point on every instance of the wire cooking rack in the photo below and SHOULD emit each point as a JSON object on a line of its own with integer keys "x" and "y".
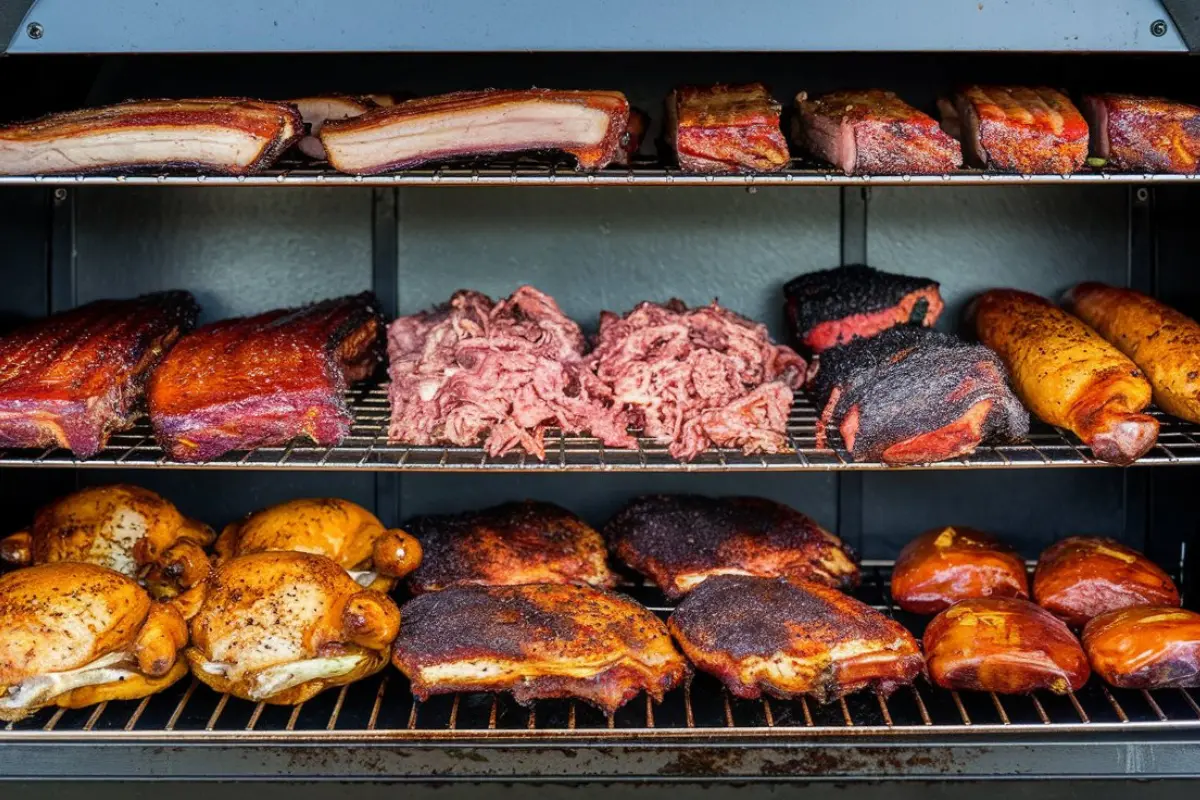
{"x": 367, "y": 448}
{"x": 383, "y": 708}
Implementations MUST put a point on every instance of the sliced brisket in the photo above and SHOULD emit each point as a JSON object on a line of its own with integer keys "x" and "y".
{"x": 725, "y": 129}
{"x": 1144, "y": 133}
{"x": 1017, "y": 128}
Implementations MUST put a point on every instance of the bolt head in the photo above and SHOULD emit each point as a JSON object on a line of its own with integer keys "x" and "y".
{"x": 35, "y": 30}
{"x": 60, "y": 194}
{"x": 1158, "y": 27}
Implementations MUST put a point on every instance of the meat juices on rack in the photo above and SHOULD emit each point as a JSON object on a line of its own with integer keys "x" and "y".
{"x": 1021, "y": 129}
{"x": 725, "y": 128}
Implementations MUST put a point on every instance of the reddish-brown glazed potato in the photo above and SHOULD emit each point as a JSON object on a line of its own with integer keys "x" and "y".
{"x": 945, "y": 565}
{"x": 1003, "y": 645}
{"x": 1148, "y": 647}
{"x": 1086, "y": 576}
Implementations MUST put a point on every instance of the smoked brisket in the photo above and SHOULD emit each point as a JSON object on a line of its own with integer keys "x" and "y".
{"x": 1148, "y": 134}
{"x": 725, "y": 129}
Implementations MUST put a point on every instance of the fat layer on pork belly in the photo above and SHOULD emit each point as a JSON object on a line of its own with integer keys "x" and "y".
{"x": 281, "y": 677}
{"x": 40, "y": 689}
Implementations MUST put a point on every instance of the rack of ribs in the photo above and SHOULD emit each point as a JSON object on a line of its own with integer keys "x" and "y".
{"x": 1017, "y": 129}
{"x": 1143, "y": 133}
{"x": 264, "y": 380}
{"x": 229, "y": 136}
{"x": 589, "y": 125}
{"x": 74, "y": 378}
{"x": 725, "y": 128}
{"x": 873, "y": 132}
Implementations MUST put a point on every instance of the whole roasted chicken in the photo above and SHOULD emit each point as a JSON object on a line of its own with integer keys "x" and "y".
{"x": 280, "y": 627}
{"x": 342, "y": 531}
{"x": 73, "y": 635}
{"x": 125, "y": 528}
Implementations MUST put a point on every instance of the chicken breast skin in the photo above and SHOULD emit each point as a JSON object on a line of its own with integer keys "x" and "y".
{"x": 536, "y": 641}
{"x": 1164, "y": 343}
{"x": 1082, "y": 577}
{"x": 508, "y": 544}
{"x": 945, "y": 565}
{"x": 1148, "y": 647}
{"x": 1003, "y": 645}
{"x": 1067, "y": 375}
{"x": 790, "y": 638}
{"x": 678, "y": 541}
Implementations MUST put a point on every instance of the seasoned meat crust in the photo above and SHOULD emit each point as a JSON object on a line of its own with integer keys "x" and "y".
{"x": 1150, "y": 134}
{"x": 726, "y": 128}
{"x": 678, "y": 541}
{"x": 1021, "y": 129}
{"x": 537, "y": 641}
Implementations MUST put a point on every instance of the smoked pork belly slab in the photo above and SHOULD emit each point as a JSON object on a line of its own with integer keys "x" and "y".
{"x": 319, "y": 109}
{"x": 264, "y": 380}
{"x": 72, "y": 379}
{"x": 1028, "y": 130}
{"x": 589, "y": 125}
{"x": 726, "y": 128}
{"x": 1143, "y": 133}
{"x": 228, "y": 136}
{"x": 874, "y": 132}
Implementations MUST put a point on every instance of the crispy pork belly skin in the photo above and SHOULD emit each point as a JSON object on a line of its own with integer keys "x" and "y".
{"x": 1017, "y": 129}
{"x": 221, "y": 135}
{"x": 726, "y": 128}
{"x": 836, "y": 306}
{"x": 263, "y": 380}
{"x": 589, "y": 125}
{"x": 1085, "y": 576}
{"x": 538, "y": 641}
{"x": 945, "y": 565}
{"x": 790, "y": 638}
{"x": 1148, "y": 647}
{"x": 679, "y": 541}
{"x": 913, "y": 396}
{"x": 513, "y": 543}
{"x": 874, "y": 132}
{"x": 1003, "y": 645}
{"x": 319, "y": 109}
{"x": 72, "y": 379}
{"x": 1147, "y": 134}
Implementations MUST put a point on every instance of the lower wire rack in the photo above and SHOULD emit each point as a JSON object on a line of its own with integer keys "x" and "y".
{"x": 382, "y": 708}
{"x": 367, "y": 448}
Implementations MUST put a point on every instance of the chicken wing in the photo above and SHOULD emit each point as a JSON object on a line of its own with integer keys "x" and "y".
{"x": 72, "y": 635}
{"x": 125, "y": 528}
{"x": 1085, "y": 576}
{"x": 1003, "y": 645}
{"x": 945, "y": 565}
{"x": 1067, "y": 374}
{"x": 513, "y": 543}
{"x": 1148, "y": 647}
{"x": 678, "y": 541}
{"x": 536, "y": 641}
{"x": 280, "y": 627}
{"x": 790, "y": 638}
{"x": 339, "y": 530}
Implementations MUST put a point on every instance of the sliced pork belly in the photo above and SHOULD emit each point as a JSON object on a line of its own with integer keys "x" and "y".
{"x": 589, "y": 125}
{"x": 319, "y": 109}
{"x": 1029, "y": 130}
{"x": 726, "y": 128}
{"x": 228, "y": 136}
{"x": 1143, "y": 133}
{"x": 874, "y": 132}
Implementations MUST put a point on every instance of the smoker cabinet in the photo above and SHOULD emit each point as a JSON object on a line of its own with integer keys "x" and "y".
{"x": 606, "y": 241}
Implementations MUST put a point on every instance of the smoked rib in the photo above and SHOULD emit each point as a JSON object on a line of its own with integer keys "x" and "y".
{"x": 257, "y": 381}
{"x": 589, "y": 125}
{"x": 72, "y": 379}
{"x": 726, "y": 128}
{"x": 229, "y": 136}
{"x": 1017, "y": 128}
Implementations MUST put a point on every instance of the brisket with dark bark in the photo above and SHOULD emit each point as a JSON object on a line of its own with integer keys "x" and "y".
{"x": 913, "y": 396}
{"x": 836, "y": 306}
{"x": 73, "y": 378}
{"x": 1143, "y": 133}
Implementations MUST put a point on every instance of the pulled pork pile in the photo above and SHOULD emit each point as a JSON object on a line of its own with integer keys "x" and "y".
{"x": 502, "y": 373}
{"x": 698, "y": 378}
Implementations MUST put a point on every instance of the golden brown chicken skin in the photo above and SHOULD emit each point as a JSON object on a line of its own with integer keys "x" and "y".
{"x": 1148, "y": 647}
{"x": 342, "y": 531}
{"x": 506, "y": 545}
{"x": 1003, "y": 645}
{"x": 125, "y": 528}
{"x": 1162, "y": 342}
{"x": 1085, "y": 576}
{"x": 72, "y": 635}
{"x": 789, "y": 638}
{"x": 945, "y": 565}
{"x": 537, "y": 641}
{"x": 680, "y": 540}
{"x": 280, "y": 627}
{"x": 1067, "y": 375}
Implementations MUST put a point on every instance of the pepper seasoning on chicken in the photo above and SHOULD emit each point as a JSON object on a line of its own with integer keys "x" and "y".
{"x": 73, "y": 635}
{"x": 339, "y": 530}
{"x": 280, "y": 627}
{"x": 125, "y": 528}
